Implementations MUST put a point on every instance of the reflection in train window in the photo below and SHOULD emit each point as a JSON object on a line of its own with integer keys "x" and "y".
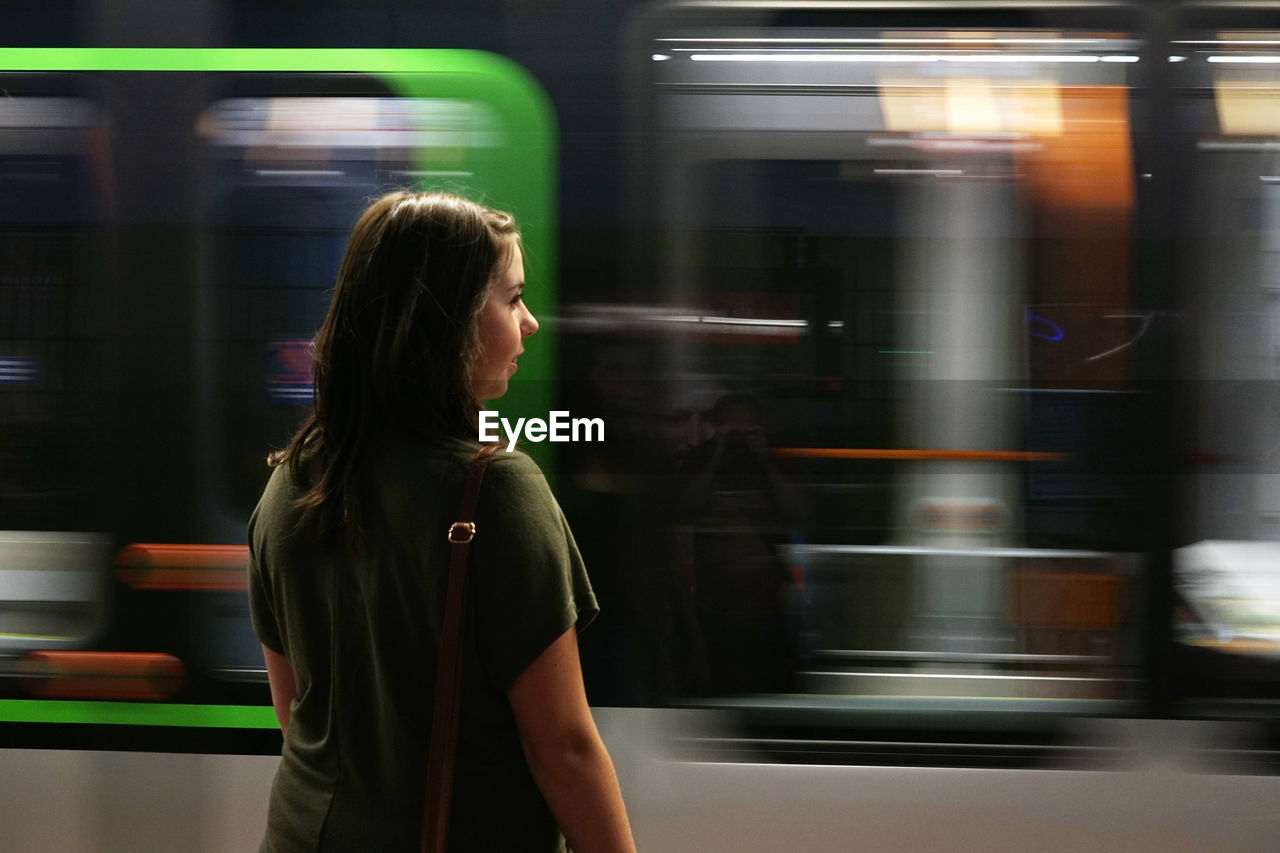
{"x": 899, "y": 268}
{"x": 1227, "y": 570}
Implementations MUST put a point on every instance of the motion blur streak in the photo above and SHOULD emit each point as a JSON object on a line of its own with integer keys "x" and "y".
{"x": 100, "y": 675}
{"x": 175, "y": 567}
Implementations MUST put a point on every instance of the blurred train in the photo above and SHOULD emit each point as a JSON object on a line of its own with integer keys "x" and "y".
{"x": 937, "y": 346}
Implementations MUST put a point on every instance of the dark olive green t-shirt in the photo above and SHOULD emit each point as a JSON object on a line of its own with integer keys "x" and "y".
{"x": 361, "y": 632}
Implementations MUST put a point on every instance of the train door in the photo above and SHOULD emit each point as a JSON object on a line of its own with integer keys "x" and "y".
{"x": 905, "y": 234}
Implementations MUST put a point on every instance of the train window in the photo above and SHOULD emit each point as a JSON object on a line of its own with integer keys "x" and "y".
{"x": 50, "y": 344}
{"x": 1226, "y": 618}
{"x": 54, "y": 561}
{"x": 900, "y": 263}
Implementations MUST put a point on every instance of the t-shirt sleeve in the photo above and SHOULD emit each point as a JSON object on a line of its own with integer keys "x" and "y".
{"x": 530, "y": 583}
{"x": 261, "y": 607}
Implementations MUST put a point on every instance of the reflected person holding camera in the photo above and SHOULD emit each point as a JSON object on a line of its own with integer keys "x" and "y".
{"x": 742, "y": 511}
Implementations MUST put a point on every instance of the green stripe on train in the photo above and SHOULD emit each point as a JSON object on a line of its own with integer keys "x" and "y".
{"x": 138, "y": 714}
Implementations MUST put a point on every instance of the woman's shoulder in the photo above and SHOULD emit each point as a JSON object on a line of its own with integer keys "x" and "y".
{"x": 518, "y": 472}
{"x": 409, "y": 456}
{"x": 281, "y": 491}
{"x": 514, "y": 487}
{"x": 275, "y": 518}
{"x": 515, "y": 463}
{"x": 446, "y": 461}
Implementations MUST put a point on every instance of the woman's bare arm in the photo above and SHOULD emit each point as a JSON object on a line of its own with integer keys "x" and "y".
{"x": 565, "y": 753}
{"x": 283, "y": 690}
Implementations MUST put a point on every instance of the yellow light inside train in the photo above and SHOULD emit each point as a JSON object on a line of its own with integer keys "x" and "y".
{"x": 972, "y": 107}
{"x": 1246, "y": 95}
{"x": 1036, "y": 108}
{"x": 912, "y": 106}
{"x": 969, "y": 106}
{"x": 1247, "y": 107}
{"x": 322, "y": 115}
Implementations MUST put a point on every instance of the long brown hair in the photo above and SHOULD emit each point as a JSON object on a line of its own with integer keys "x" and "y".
{"x": 395, "y": 353}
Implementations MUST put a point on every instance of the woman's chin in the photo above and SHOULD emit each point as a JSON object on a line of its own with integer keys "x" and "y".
{"x": 490, "y": 389}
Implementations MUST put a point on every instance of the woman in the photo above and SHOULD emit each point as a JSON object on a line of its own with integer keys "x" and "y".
{"x": 348, "y": 561}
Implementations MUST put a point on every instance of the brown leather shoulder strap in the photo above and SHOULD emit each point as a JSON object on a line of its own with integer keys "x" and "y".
{"x": 444, "y": 721}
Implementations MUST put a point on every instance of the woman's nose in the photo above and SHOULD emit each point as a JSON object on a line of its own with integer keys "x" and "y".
{"x": 530, "y": 324}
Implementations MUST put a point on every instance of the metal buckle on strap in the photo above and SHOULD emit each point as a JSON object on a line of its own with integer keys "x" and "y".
{"x": 465, "y": 529}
